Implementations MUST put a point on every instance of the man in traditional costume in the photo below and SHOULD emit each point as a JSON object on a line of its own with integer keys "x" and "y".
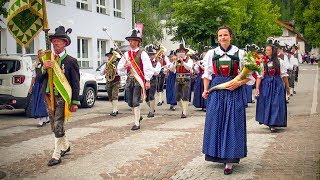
{"x": 153, "y": 81}
{"x": 182, "y": 67}
{"x": 164, "y": 61}
{"x": 136, "y": 63}
{"x": 109, "y": 69}
{"x": 68, "y": 76}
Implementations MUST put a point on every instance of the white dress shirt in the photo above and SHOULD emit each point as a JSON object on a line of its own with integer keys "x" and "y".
{"x": 147, "y": 66}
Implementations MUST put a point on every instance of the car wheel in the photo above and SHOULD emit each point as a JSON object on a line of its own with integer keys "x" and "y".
{"x": 89, "y": 98}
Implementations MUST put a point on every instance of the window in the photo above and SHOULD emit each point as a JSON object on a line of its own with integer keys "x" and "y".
{"x": 102, "y": 6}
{"x": 57, "y": 1}
{"x": 117, "y": 5}
{"x": 102, "y": 50}
{"x": 83, "y": 52}
{"x": 27, "y": 50}
{"x": 83, "y": 4}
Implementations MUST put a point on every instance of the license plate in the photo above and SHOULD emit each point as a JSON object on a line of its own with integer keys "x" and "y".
{"x": 0, "y": 81}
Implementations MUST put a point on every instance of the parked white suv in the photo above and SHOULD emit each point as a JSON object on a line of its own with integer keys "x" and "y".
{"x": 102, "y": 81}
{"x": 15, "y": 80}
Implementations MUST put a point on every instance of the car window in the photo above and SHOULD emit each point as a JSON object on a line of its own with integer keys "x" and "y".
{"x": 9, "y": 66}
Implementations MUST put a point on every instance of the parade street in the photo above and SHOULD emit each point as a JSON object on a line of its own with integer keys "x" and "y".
{"x": 166, "y": 146}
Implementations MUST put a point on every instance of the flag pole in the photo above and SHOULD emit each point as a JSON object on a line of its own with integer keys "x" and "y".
{"x": 48, "y": 53}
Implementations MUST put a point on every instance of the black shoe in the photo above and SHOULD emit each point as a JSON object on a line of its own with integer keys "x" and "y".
{"x": 150, "y": 115}
{"x": 227, "y": 171}
{"x": 64, "y": 152}
{"x": 54, "y": 161}
{"x": 183, "y": 115}
{"x": 135, "y": 127}
{"x": 113, "y": 114}
{"x": 273, "y": 130}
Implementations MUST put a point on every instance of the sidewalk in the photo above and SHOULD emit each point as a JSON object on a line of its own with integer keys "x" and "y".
{"x": 295, "y": 153}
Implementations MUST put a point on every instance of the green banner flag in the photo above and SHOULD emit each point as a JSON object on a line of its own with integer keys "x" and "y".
{"x": 25, "y": 20}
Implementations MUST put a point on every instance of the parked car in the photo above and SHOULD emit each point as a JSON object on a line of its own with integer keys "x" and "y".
{"x": 102, "y": 81}
{"x": 15, "y": 80}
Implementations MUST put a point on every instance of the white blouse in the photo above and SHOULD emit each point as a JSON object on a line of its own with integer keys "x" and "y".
{"x": 208, "y": 65}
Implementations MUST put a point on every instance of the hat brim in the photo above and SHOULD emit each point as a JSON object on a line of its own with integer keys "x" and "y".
{"x": 134, "y": 38}
{"x": 63, "y": 37}
{"x": 182, "y": 49}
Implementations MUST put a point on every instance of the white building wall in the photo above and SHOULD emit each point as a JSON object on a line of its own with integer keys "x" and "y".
{"x": 86, "y": 24}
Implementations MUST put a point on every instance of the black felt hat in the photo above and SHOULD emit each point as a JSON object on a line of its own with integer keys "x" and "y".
{"x": 110, "y": 52}
{"x": 60, "y": 33}
{"x": 182, "y": 48}
{"x": 134, "y": 36}
{"x": 150, "y": 49}
{"x": 172, "y": 53}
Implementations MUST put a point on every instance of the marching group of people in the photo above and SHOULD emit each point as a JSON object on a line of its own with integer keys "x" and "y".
{"x": 225, "y": 137}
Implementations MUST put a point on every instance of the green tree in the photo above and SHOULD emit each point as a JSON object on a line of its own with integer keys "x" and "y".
{"x": 197, "y": 20}
{"x": 258, "y": 23}
{"x": 299, "y": 7}
{"x": 3, "y": 11}
{"x": 152, "y": 32}
{"x": 312, "y": 18}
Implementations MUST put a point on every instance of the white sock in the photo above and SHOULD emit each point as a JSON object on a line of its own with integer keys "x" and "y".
{"x": 136, "y": 111}
{"x": 115, "y": 105}
{"x": 160, "y": 97}
{"x": 180, "y": 104}
{"x": 65, "y": 143}
{"x": 57, "y": 148}
{"x": 229, "y": 165}
{"x": 42, "y": 120}
{"x": 185, "y": 107}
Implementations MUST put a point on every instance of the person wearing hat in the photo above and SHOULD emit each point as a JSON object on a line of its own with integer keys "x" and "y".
{"x": 295, "y": 59}
{"x": 135, "y": 60}
{"x": 285, "y": 60}
{"x": 164, "y": 61}
{"x": 70, "y": 70}
{"x": 153, "y": 81}
{"x": 112, "y": 86}
{"x": 171, "y": 83}
{"x": 183, "y": 67}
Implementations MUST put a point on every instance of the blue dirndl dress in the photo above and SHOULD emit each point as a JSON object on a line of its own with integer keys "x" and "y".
{"x": 271, "y": 107}
{"x": 198, "y": 100}
{"x": 170, "y": 89}
{"x": 225, "y": 138}
{"x": 249, "y": 93}
{"x": 39, "y": 108}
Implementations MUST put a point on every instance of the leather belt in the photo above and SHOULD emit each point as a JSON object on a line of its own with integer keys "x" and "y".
{"x": 183, "y": 75}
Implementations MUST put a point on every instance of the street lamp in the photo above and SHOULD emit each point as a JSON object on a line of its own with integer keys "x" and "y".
{"x": 134, "y": 11}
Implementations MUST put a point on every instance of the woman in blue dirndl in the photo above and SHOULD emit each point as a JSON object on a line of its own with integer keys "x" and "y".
{"x": 198, "y": 100}
{"x": 271, "y": 107}
{"x": 38, "y": 105}
{"x": 170, "y": 85}
{"x": 225, "y": 138}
